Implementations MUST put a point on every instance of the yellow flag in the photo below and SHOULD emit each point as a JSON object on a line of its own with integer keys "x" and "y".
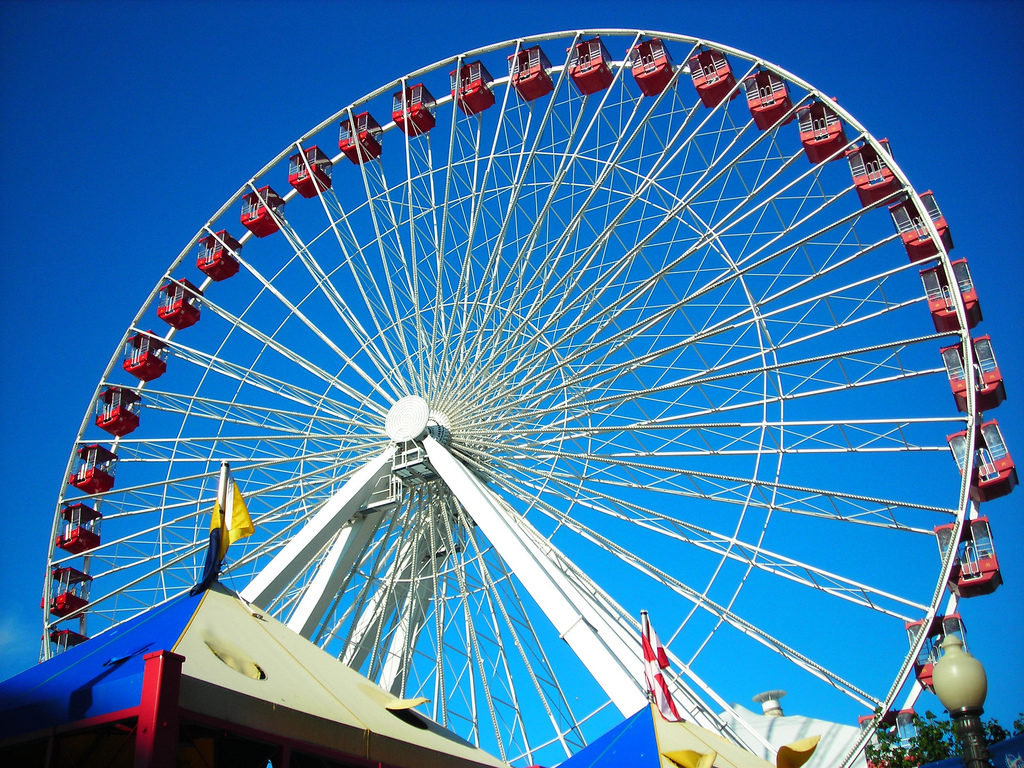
{"x": 234, "y": 521}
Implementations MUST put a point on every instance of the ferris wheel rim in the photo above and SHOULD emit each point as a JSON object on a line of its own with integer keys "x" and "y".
{"x": 250, "y": 186}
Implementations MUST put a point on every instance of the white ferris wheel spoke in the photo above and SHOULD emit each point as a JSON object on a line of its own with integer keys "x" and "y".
{"x": 660, "y": 355}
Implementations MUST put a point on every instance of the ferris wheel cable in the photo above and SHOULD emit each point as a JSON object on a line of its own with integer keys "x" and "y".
{"x": 439, "y": 326}
{"x": 700, "y": 379}
{"x": 750, "y": 553}
{"x": 764, "y": 260}
{"x": 736, "y": 481}
{"x": 329, "y": 626}
{"x": 347, "y": 317}
{"x": 520, "y": 176}
{"x": 350, "y": 248}
{"x": 413, "y": 255}
{"x": 189, "y": 551}
{"x": 371, "y": 198}
{"x": 565, "y": 427}
{"x": 754, "y": 451}
{"x": 578, "y": 353}
{"x": 349, "y": 441}
{"x": 473, "y": 640}
{"x": 394, "y": 677}
{"x": 245, "y": 414}
{"x": 271, "y": 384}
{"x": 538, "y": 396}
{"x": 574, "y": 484}
{"x": 666, "y": 423}
{"x": 288, "y": 597}
{"x": 649, "y": 181}
{"x": 627, "y": 626}
{"x": 278, "y": 538}
{"x": 354, "y": 645}
{"x": 439, "y": 608}
{"x": 612, "y": 275}
{"x": 534, "y": 643}
{"x": 543, "y": 271}
{"x": 334, "y": 296}
{"x": 388, "y": 214}
{"x": 462, "y": 295}
{"x": 730, "y": 322}
{"x": 731, "y": 618}
{"x": 483, "y": 435}
{"x": 293, "y": 480}
{"x": 679, "y": 420}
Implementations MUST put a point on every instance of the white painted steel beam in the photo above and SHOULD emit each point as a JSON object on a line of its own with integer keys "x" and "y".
{"x": 585, "y": 616}
{"x": 380, "y": 605}
{"x": 305, "y": 545}
{"x": 393, "y": 673}
{"x": 614, "y": 662}
{"x": 317, "y": 596}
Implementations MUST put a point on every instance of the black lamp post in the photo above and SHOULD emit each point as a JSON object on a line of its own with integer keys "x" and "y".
{"x": 961, "y": 685}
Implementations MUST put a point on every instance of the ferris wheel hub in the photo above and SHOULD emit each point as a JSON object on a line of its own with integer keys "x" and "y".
{"x": 407, "y": 419}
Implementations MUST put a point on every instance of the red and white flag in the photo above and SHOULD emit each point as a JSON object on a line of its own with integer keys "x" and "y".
{"x": 656, "y": 660}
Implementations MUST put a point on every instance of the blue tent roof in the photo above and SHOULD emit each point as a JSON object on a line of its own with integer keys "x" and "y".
{"x": 98, "y": 677}
{"x": 1008, "y": 753}
{"x": 632, "y": 742}
{"x": 246, "y": 671}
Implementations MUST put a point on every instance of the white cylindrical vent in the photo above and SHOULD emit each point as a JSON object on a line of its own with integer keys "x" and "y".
{"x": 769, "y": 700}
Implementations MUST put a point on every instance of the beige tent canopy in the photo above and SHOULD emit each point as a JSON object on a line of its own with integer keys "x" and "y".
{"x": 690, "y": 746}
{"x": 209, "y": 680}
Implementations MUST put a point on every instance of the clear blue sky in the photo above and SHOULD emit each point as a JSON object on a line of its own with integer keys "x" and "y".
{"x": 124, "y": 126}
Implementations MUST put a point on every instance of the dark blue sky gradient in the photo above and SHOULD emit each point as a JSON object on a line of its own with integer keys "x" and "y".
{"x": 125, "y": 126}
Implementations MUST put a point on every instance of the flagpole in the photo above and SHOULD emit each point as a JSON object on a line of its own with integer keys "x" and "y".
{"x": 645, "y": 632}
{"x": 211, "y": 566}
{"x": 222, "y": 488}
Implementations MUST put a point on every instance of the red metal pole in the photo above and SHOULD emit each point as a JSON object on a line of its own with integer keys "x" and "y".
{"x": 156, "y": 738}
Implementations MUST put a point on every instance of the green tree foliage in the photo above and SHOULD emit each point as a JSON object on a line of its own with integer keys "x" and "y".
{"x": 934, "y": 740}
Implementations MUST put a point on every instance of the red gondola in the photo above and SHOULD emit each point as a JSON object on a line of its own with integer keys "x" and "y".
{"x": 939, "y": 628}
{"x": 309, "y": 171}
{"x": 117, "y": 411}
{"x": 413, "y": 110}
{"x": 359, "y": 138}
{"x": 821, "y": 131}
{"x": 81, "y": 529}
{"x": 260, "y": 211}
{"x": 651, "y": 65}
{"x": 872, "y": 176}
{"x": 987, "y": 380}
{"x": 899, "y": 722}
{"x": 471, "y": 88}
{"x": 95, "y": 470}
{"x": 179, "y": 305}
{"x": 712, "y": 77}
{"x": 975, "y": 569}
{"x": 994, "y": 473}
{"x": 910, "y": 224}
{"x": 888, "y": 719}
{"x": 768, "y": 99}
{"x": 65, "y": 638}
{"x": 144, "y": 357}
{"x": 217, "y": 254}
{"x": 69, "y": 591}
{"x": 589, "y": 67}
{"x": 940, "y": 299}
{"x": 529, "y": 72}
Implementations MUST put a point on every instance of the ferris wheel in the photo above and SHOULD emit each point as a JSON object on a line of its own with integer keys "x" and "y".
{"x": 566, "y": 328}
